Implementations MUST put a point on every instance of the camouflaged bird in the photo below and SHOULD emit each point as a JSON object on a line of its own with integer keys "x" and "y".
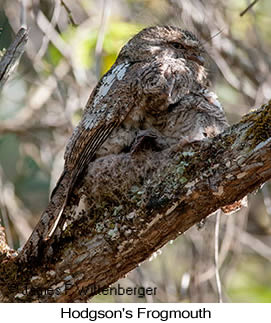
{"x": 158, "y": 84}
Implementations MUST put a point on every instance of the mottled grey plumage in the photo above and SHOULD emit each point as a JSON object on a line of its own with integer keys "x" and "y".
{"x": 158, "y": 83}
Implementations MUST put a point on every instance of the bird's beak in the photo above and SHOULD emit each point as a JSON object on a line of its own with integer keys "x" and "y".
{"x": 197, "y": 58}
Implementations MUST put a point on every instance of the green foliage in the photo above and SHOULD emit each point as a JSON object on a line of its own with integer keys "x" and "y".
{"x": 84, "y": 41}
{"x": 247, "y": 285}
{"x": 54, "y": 55}
{"x": 5, "y": 30}
{"x": 118, "y": 33}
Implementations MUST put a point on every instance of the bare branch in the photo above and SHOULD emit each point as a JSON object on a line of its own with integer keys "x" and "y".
{"x": 68, "y": 10}
{"x": 248, "y": 8}
{"x": 12, "y": 55}
{"x": 102, "y": 29}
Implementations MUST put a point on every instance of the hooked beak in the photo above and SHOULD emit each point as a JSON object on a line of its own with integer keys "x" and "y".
{"x": 197, "y": 58}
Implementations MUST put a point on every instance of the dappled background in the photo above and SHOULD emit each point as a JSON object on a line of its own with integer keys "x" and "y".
{"x": 71, "y": 44}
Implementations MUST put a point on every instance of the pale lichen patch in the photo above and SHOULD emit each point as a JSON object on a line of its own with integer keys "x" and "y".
{"x": 81, "y": 257}
{"x": 229, "y": 176}
{"x": 19, "y": 295}
{"x": 50, "y": 273}
{"x": 60, "y": 287}
{"x": 131, "y": 215}
{"x": 191, "y": 184}
{"x": 262, "y": 144}
{"x": 219, "y": 192}
{"x": 155, "y": 219}
{"x": 241, "y": 175}
{"x": 172, "y": 208}
{"x": 260, "y": 129}
{"x": 36, "y": 279}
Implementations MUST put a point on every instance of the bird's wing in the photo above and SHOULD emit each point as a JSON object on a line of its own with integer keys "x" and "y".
{"x": 115, "y": 96}
{"x": 106, "y": 109}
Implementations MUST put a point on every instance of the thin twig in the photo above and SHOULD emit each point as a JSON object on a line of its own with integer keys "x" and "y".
{"x": 249, "y": 7}
{"x": 217, "y": 275}
{"x": 68, "y": 10}
{"x": 48, "y": 29}
{"x": 101, "y": 34}
{"x": 46, "y": 39}
{"x": 214, "y": 35}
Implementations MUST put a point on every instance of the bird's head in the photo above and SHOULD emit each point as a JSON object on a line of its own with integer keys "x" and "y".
{"x": 163, "y": 41}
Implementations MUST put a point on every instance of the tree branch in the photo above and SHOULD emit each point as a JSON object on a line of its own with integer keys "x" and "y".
{"x": 12, "y": 55}
{"x": 132, "y": 205}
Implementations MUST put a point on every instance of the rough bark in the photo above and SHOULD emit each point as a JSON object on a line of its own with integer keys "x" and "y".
{"x": 12, "y": 55}
{"x": 134, "y": 204}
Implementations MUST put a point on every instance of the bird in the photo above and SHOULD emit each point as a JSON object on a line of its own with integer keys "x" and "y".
{"x": 158, "y": 86}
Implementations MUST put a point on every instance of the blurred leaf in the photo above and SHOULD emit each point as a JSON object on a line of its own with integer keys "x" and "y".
{"x": 249, "y": 283}
{"x": 5, "y": 30}
{"x": 251, "y": 292}
{"x": 118, "y": 33}
{"x": 54, "y": 55}
{"x": 12, "y": 98}
{"x": 83, "y": 42}
{"x": 9, "y": 155}
{"x": 32, "y": 184}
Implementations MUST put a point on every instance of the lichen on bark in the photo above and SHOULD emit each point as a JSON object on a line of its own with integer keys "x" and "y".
{"x": 135, "y": 203}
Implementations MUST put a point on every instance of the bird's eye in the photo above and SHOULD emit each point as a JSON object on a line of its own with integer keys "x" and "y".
{"x": 177, "y": 45}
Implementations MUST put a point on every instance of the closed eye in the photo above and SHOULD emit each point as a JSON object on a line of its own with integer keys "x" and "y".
{"x": 177, "y": 45}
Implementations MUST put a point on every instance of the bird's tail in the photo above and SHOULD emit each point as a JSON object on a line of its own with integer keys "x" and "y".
{"x": 48, "y": 219}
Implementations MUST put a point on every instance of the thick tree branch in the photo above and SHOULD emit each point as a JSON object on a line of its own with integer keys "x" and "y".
{"x": 135, "y": 204}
